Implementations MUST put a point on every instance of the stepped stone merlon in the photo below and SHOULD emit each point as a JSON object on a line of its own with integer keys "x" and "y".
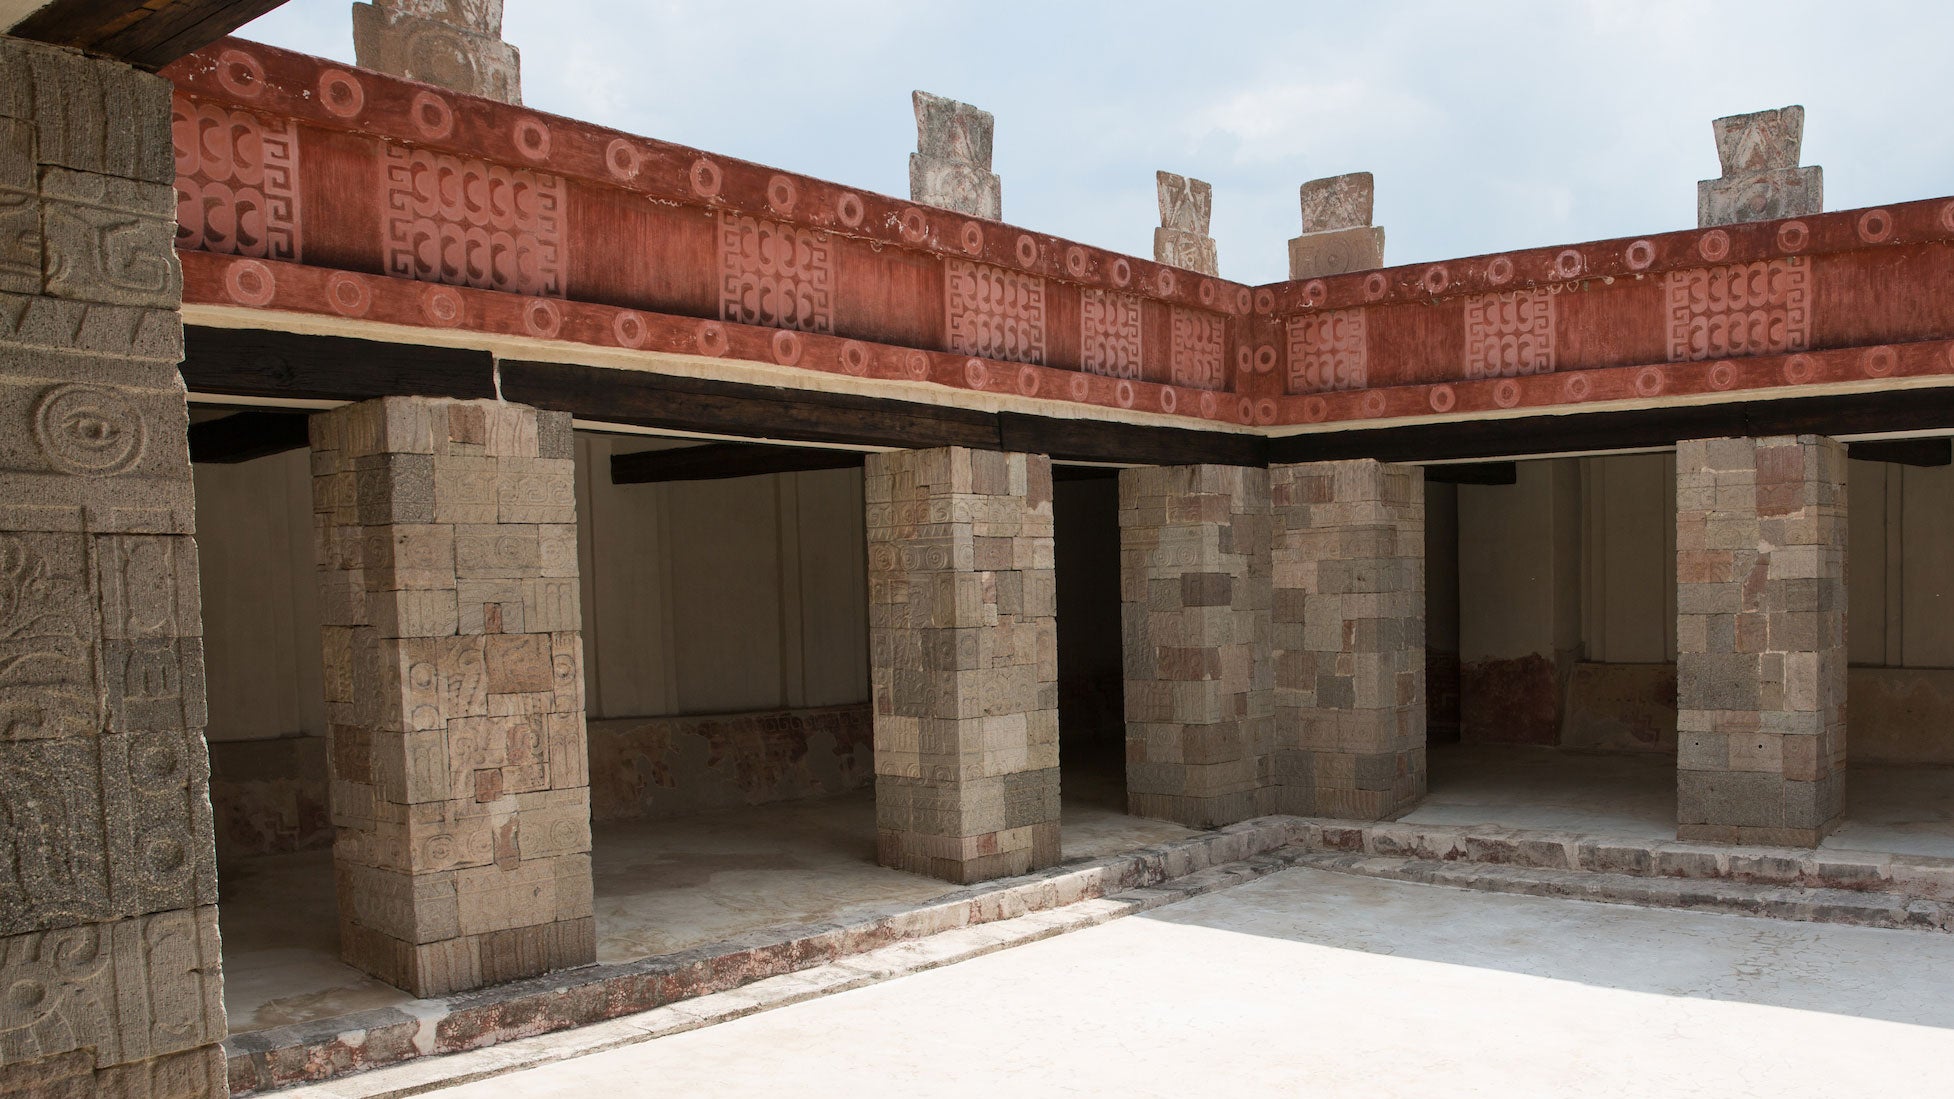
{"x": 951, "y": 167}
{"x": 1338, "y": 236}
{"x": 454, "y": 44}
{"x": 1761, "y": 178}
{"x": 1182, "y": 240}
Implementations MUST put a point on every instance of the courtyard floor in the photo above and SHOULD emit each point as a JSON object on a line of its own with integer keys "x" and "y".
{"x": 1310, "y": 983}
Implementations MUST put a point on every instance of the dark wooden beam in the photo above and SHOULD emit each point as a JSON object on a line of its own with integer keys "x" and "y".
{"x": 1473, "y": 473}
{"x": 719, "y": 461}
{"x": 1085, "y": 473}
{"x": 1904, "y": 452}
{"x": 1103, "y": 440}
{"x": 146, "y": 33}
{"x": 243, "y": 436}
{"x": 252, "y": 363}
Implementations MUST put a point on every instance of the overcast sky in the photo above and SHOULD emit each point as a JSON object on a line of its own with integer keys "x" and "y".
{"x": 1489, "y": 125}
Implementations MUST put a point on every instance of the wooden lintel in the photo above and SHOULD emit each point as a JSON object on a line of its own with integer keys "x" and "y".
{"x": 1904, "y": 452}
{"x": 719, "y": 461}
{"x": 248, "y": 362}
{"x": 148, "y": 34}
{"x": 1473, "y": 473}
{"x": 1103, "y": 440}
{"x": 242, "y": 436}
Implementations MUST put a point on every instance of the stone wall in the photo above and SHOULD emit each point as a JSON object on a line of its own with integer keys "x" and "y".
{"x": 655, "y": 768}
{"x": 454, "y": 689}
{"x": 108, "y": 889}
{"x": 964, "y": 661}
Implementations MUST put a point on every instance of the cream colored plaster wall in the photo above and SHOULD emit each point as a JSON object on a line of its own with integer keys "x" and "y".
{"x": 1628, "y": 565}
{"x": 1520, "y": 562}
{"x": 1900, "y": 565}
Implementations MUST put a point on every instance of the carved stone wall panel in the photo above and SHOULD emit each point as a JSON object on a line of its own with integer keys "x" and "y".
{"x": 237, "y": 187}
{"x": 109, "y": 240}
{"x": 20, "y": 209}
{"x": 1197, "y": 358}
{"x": 1109, "y": 333}
{"x": 471, "y": 223}
{"x": 49, "y": 638}
{"x": 995, "y": 313}
{"x": 1742, "y": 309}
{"x": 82, "y": 454}
{"x": 1508, "y": 335}
{"x": 1327, "y": 351}
{"x": 777, "y": 275}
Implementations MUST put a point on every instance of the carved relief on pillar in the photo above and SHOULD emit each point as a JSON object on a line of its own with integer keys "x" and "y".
{"x": 236, "y": 181}
{"x": 472, "y": 223}
{"x": 995, "y": 313}
{"x": 777, "y": 275}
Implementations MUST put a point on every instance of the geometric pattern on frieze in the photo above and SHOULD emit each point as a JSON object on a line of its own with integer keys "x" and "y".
{"x": 994, "y": 313}
{"x": 1327, "y": 351}
{"x": 1109, "y": 334}
{"x": 237, "y": 189}
{"x": 779, "y": 276}
{"x": 1197, "y": 349}
{"x": 471, "y": 223}
{"x": 1761, "y": 308}
{"x": 1508, "y": 335}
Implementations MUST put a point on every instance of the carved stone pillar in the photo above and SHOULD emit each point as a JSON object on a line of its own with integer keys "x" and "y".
{"x": 454, "y": 690}
{"x": 108, "y": 889}
{"x": 963, "y": 661}
{"x": 454, "y": 44}
{"x": 1185, "y": 208}
{"x": 1761, "y": 178}
{"x": 1338, "y": 236}
{"x": 951, "y": 167}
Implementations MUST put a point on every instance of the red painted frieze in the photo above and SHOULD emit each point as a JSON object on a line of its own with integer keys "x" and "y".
{"x": 471, "y": 223}
{"x": 780, "y": 276}
{"x": 995, "y": 313}
{"x": 1509, "y": 334}
{"x": 236, "y": 181}
{"x": 1109, "y": 334}
{"x": 1327, "y": 352}
{"x": 1761, "y": 308}
{"x": 1200, "y": 350}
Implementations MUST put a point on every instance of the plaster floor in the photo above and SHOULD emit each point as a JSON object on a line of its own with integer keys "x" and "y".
{"x": 1899, "y": 810}
{"x": 1314, "y": 984}
{"x": 661, "y": 886}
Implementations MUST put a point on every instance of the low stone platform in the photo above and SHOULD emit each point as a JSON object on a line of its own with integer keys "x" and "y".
{"x": 326, "y": 1048}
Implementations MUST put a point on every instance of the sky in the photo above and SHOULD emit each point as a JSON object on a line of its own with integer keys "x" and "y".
{"x": 1490, "y": 126}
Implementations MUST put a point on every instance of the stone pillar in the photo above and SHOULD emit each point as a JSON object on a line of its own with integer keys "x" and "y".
{"x": 454, "y": 690}
{"x": 1760, "y": 639}
{"x": 1182, "y": 239}
{"x": 1338, "y": 236}
{"x": 1761, "y": 177}
{"x": 1194, "y": 607}
{"x": 1348, "y": 560}
{"x": 963, "y": 635}
{"x": 951, "y": 167}
{"x": 453, "y": 44}
{"x": 108, "y": 886}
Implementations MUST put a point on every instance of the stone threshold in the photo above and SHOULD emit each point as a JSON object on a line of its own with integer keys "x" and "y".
{"x": 1903, "y": 877}
{"x": 634, "y": 1001}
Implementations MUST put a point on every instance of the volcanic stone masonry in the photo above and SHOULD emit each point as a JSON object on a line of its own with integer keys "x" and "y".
{"x": 963, "y": 661}
{"x": 454, "y": 44}
{"x": 1348, "y": 566}
{"x": 1761, "y": 178}
{"x": 108, "y": 888}
{"x": 1186, "y": 207}
{"x": 1760, "y": 639}
{"x": 447, "y": 545}
{"x": 1194, "y": 612}
{"x": 1338, "y": 237}
{"x": 951, "y": 167}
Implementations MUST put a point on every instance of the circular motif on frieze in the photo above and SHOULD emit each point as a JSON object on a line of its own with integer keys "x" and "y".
{"x": 1245, "y": 410}
{"x": 629, "y": 328}
{"x": 1265, "y": 359}
{"x": 1209, "y": 405}
{"x": 972, "y": 237}
{"x": 1165, "y": 282}
{"x": 1793, "y": 236}
{"x": 240, "y": 74}
{"x": 1029, "y": 380}
{"x": 1027, "y": 250}
{"x": 347, "y": 295}
{"x": 1639, "y": 255}
{"x": 442, "y": 305}
{"x": 1075, "y": 262}
{"x": 917, "y": 365}
{"x": 1723, "y": 374}
{"x": 1648, "y": 381}
{"x": 1436, "y": 279}
{"x": 542, "y": 318}
{"x": 1799, "y": 368}
{"x": 432, "y": 115}
{"x": 854, "y": 357}
{"x": 1081, "y": 387}
{"x": 1499, "y": 272}
{"x": 705, "y": 178}
{"x": 712, "y": 338}
{"x": 786, "y": 347}
{"x": 1713, "y": 245}
{"x": 1878, "y": 362}
{"x": 915, "y": 227}
{"x": 1122, "y": 271}
{"x": 848, "y": 207}
{"x": 1244, "y": 360}
{"x": 341, "y": 94}
{"x": 1314, "y": 291}
{"x": 1569, "y": 264}
{"x": 1506, "y": 393}
{"x": 1265, "y": 300}
{"x": 1242, "y": 297}
{"x": 88, "y": 429}
{"x": 1123, "y": 393}
{"x": 782, "y": 195}
{"x": 249, "y": 282}
{"x": 1443, "y": 398}
{"x": 1947, "y": 217}
{"x": 1169, "y": 400}
{"x": 623, "y": 160}
{"x": 1374, "y": 285}
{"x": 975, "y": 373}
{"x": 1315, "y": 409}
{"x": 1207, "y": 292}
{"x": 532, "y": 139}
{"x": 1577, "y": 387}
{"x": 1875, "y": 226}
{"x": 1373, "y": 405}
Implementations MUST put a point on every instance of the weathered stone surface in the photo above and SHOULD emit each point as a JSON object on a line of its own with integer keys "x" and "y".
{"x": 453, "y": 44}
{"x": 1760, "y": 635}
{"x": 1194, "y": 613}
{"x": 457, "y": 759}
{"x": 1337, "y": 234}
{"x": 1338, "y": 202}
{"x": 1761, "y": 178}
{"x": 1348, "y": 571}
{"x": 1185, "y": 208}
{"x": 963, "y": 661}
{"x": 951, "y": 167}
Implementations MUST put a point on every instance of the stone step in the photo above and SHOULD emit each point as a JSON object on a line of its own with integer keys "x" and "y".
{"x": 1841, "y": 906}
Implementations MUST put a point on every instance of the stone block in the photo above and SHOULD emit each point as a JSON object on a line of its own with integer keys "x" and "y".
{"x": 447, "y": 52}
{"x": 1336, "y": 252}
{"x": 951, "y": 166}
{"x": 1761, "y": 177}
